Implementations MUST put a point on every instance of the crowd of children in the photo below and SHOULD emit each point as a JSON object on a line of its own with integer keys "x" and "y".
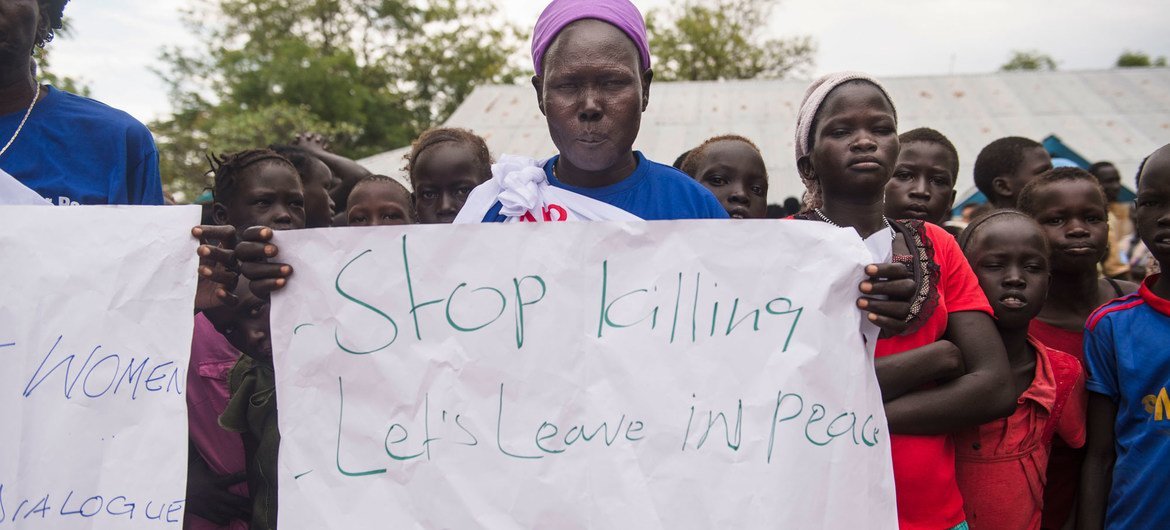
{"x": 986, "y": 434}
{"x": 994, "y": 360}
{"x": 1021, "y": 367}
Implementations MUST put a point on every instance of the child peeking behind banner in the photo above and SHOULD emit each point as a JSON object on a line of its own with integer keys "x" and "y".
{"x": 732, "y": 168}
{"x": 255, "y": 187}
{"x": 252, "y": 409}
{"x": 379, "y": 200}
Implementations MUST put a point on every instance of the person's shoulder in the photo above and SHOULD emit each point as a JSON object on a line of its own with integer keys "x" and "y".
{"x": 670, "y": 176}
{"x": 1114, "y": 309}
{"x": 1127, "y": 287}
{"x": 687, "y": 198}
{"x": 938, "y": 235}
{"x": 94, "y": 114}
{"x": 942, "y": 246}
{"x": 1062, "y": 362}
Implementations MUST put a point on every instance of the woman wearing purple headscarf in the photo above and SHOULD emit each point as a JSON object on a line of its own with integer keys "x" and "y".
{"x": 592, "y": 82}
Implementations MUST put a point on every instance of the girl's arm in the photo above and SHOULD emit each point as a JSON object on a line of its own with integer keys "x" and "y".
{"x": 909, "y": 370}
{"x": 982, "y": 394}
{"x": 1097, "y": 471}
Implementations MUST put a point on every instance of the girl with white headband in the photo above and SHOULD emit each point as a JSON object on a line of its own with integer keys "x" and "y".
{"x": 846, "y": 149}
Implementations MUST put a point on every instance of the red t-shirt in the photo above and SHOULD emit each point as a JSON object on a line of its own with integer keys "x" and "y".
{"x": 1064, "y": 465}
{"x": 1001, "y": 464}
{"x": 924, "y": 466}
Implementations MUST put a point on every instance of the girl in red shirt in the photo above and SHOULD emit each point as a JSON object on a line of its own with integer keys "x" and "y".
{"x": 1072, "y": 209}
{"x": 1001, "y": 464}
{"x": 847, "y": 147}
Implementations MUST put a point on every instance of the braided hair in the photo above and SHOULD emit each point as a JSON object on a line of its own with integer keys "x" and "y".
{"x": 52, "y": 14}
{"x": 230, "y": 169}
{"x": 435, "y": 136}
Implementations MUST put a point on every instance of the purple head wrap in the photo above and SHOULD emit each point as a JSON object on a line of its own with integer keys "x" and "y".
{"x": 560, "y": 13}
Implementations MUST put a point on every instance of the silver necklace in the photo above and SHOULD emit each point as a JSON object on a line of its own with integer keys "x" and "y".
{"x": 825, "y": 218}
{"x": 36, "y": 96}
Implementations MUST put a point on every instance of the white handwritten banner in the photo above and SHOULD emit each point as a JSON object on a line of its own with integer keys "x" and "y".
{"x": 95, "y": 334}
{"x": 691, "y": 374}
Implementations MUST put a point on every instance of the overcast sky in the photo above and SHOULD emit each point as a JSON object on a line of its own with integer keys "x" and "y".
{"x": 116, "y": 43}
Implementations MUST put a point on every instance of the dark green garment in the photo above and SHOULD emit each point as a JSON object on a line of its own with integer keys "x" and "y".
{"x": 251, "y": 411}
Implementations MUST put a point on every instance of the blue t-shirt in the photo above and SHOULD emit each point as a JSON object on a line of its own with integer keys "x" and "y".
{"x": 653, "y": 192}
{"x": 74, "y": 150}
{"x": 1128, "y": 361}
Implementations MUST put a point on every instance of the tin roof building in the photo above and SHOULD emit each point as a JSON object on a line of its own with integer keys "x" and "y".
{"x": 1120, "y": 115}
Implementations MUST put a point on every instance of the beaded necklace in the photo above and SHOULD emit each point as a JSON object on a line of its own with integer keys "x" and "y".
{"x": 36, "y": 96}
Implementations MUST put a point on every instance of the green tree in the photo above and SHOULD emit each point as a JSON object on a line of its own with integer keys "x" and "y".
{"x": 1132, "y": 59}
{"x": 370, "y": 74}
{"x": 1029, "y": 60}
{"x": 723, "y": 39}
{"x": 45, "y": 73}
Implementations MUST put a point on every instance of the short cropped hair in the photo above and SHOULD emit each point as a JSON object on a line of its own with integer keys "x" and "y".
{"x": 928, "y": 135}
{"x": 375, "y": 179}
{"x": 690, "y": 164}
{"x": 1098, "y": 166}
{"x": 1000, "y": 157}
{"x": 1028, "y": 199}
{"x": 435, "y": 136}
{"x": 968, "y": 233}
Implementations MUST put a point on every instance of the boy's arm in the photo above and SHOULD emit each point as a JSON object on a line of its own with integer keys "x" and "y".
{"x": 902, "y": 373}
{"x": 1097, "y": 471}
{"x": 980, "y": 395}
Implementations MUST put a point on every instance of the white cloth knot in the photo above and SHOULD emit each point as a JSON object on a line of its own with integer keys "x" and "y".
{"x": 522, "y": 182}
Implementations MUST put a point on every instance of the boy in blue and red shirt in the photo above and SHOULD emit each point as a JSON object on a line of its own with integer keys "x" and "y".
{"x": 1129, "y": 372}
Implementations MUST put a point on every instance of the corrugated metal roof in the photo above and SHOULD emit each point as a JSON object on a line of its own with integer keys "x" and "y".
{"x": 1119, "y": 115}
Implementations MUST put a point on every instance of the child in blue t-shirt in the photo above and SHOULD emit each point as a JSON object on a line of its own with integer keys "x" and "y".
{"x": 1124, "y": 478}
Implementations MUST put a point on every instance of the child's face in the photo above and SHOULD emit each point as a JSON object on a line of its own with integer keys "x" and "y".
{"x": 245, "y": 324}
{"x": 1033, "y": 163}
{"x": 270, "y": 194}
{"x": 1072, "y": 214}
{"x": 1152, "y": 215}
{"x": 922, "y": 186}
{"x": 1110, "y": 181}
{"x": 319, "y": 205}
{"x": 444, "y": 175}
{"x": 1010, "y": 258}
{"x": 378, "y": 204}
{"x": 855, "y": 145}
{"x": 735, "y": 173}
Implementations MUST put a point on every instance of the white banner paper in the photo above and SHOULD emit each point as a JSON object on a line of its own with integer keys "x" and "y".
{"x": 690, "y": 374}
{"x": 95, "y": 334}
